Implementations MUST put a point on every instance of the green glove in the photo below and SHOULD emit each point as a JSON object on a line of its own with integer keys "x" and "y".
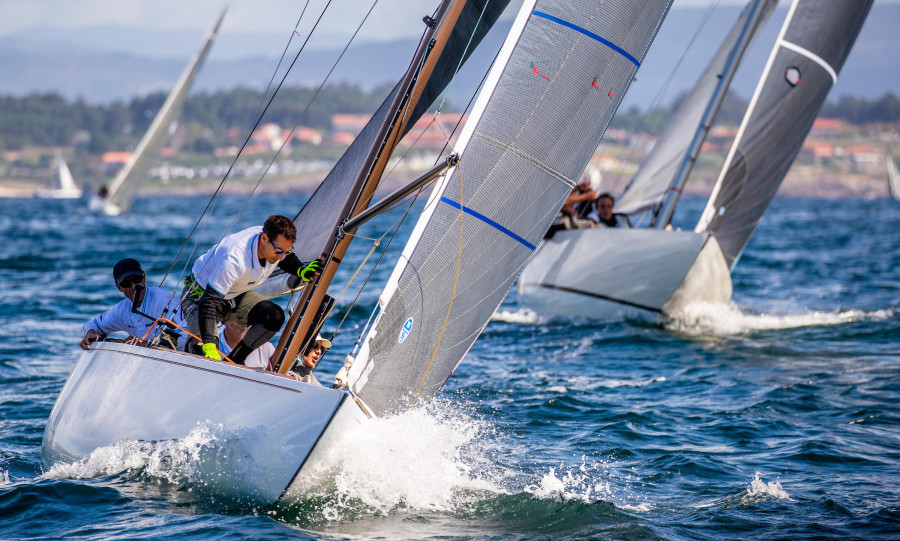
{"x": 211, "y": 352}
{"x": 306, "y": 273}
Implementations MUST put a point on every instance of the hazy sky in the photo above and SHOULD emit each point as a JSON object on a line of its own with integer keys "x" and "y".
{"x": 244, "y": 16}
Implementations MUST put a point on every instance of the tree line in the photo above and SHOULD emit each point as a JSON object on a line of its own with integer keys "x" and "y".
{"x": 47, "y": 120}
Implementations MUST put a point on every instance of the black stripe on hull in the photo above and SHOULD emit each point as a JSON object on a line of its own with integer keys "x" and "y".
{"x": 598, "y": 296}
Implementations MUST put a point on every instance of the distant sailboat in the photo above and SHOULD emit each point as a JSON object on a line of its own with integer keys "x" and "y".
{"x": 119, "y": 196}
{"x": 893, "y": 178}
{"x": 63, "y": 184}
{"x": 609, "y": 273}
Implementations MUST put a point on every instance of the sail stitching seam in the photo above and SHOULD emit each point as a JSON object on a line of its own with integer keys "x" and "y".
{"x": 525, "y": 156}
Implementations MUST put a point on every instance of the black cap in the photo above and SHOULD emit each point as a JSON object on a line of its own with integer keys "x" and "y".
{"x": 125, "y": 268}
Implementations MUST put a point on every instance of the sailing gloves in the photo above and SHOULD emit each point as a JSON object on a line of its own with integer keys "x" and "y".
{"x": 211, "y": 351}
{"x": 309, "y": 271}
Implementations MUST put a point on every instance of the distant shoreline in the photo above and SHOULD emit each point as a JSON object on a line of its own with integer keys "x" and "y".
{"x": 801, "y": 181}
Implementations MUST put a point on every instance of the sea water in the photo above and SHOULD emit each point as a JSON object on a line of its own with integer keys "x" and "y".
{"x": 774, "y": 416}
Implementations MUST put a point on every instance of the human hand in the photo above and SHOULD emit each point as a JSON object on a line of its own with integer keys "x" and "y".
{"x": 310, "y": 271}
{"x": 210, "y": 351}
{"x": 89, "y": 337}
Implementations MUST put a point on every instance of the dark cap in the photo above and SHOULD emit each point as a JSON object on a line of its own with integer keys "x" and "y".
{"x": 125, "y": 268}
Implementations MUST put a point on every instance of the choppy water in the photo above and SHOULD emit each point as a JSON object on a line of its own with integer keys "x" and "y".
{"x": 775, "y": 417}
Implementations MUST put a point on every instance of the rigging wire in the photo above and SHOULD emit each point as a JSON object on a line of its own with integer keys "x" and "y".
{"x": 243, "y": 145}
{"x": 414, "y": 197}
{"x": 628, "y": 152}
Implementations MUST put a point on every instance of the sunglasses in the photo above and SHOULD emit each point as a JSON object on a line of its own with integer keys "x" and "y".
{"x": 279, "y": 251}
{"x": 131, "y": 280}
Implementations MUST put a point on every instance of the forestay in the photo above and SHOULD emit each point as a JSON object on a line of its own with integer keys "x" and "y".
{"x": 559, "y": 78}
{"x": 815, "y": 40}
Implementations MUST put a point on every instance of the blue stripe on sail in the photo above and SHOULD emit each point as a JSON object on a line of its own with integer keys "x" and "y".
{"x": 589, "y": 34}
{"x": 488, "y": 221}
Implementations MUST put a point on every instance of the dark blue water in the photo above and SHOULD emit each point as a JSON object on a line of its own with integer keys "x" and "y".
{"x": 775, "y": 417}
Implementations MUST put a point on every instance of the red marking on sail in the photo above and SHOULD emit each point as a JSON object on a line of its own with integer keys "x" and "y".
{"x": 534, "y": 70}
{"x": 611, "y": 95}
{"x": 595, "y": 85}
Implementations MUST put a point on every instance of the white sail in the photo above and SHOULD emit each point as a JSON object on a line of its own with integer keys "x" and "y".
{"x": 541, "y": 113}
{"x": 64, "y": 186}
{"x": 893, "y": 178}
{"x": 121, "y": 193}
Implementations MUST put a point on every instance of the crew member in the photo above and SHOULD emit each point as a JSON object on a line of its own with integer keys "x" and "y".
{"x": 221, "y": 285}
{"x": 153, "y": 302}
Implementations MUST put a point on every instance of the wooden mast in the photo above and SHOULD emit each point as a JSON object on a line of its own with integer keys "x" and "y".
{"x": 414, "y": 81}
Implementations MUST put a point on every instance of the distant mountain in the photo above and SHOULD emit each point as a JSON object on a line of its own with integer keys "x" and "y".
{"x": 103, "y": 64}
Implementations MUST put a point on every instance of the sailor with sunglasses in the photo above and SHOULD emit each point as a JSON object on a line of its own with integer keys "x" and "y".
{"x": 154, "y": 302}
{"x": 221, "y": 286}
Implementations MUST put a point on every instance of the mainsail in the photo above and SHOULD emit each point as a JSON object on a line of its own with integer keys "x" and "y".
{"x": 648, "y": 186}
{"x": 559, "y": 78}
{"x": 124, "y": 187}
{"x": 815, "y": 40}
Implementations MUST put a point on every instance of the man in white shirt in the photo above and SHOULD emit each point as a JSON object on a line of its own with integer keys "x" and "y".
{"x": 220, "y": 288}
{"x": 154, "y": 302}
{"x": 231, "y": 335}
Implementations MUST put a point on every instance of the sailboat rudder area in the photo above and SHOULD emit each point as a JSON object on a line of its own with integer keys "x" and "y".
{"x": 218, "y": 427}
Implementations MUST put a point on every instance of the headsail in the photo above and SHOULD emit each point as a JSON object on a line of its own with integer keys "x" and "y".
{"x": 558, "y": 80}
{"x": 124, "y": 187}
{"x": 814, "y": 43}
{"x": 648, "y": 186}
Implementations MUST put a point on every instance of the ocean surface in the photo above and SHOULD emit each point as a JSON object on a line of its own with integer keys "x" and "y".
{"x": 776, "y": 416}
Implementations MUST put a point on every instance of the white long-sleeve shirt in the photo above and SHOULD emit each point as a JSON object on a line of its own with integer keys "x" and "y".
{"x": 121, "y": 318}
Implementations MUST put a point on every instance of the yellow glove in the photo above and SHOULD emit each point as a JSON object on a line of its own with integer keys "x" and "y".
{"x": 210, "y": 351}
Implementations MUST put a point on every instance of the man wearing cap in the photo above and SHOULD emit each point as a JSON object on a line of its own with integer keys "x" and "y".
{"x": 220, "y": 288}
{"x": 153, "y": 301}
{"x": 308, "y": 361}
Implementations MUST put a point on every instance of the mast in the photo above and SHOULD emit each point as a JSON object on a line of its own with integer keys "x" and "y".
{"x": 663, "y": 214}
{"x": 412, "y": 85}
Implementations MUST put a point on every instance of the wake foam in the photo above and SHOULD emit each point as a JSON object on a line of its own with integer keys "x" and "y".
{"x": 760, "y": 491}
{"x": 590, "y": 482}
{"x": 523, "y": 316}
{"x": 434, "y": 458}
{"x": 4, "y": 478}
{"x": 723, "y": 319}
{"x": 174, "y": 461}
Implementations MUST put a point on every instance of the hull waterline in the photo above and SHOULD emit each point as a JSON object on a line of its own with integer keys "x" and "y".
{"x": 609, "y": 274}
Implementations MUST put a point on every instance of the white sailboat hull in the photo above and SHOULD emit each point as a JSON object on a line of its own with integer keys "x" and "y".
{"x": 120, "y": 393}
{"x": 609, "y": 274}
{"x": 58, "y": 194}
